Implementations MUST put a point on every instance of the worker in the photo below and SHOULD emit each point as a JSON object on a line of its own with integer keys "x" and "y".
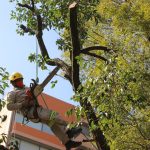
{"x": 20, "y": 99}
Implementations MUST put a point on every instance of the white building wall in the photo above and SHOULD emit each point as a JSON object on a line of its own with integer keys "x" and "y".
{"x": 28, "y": 146}
{"x": 6, "y": 124}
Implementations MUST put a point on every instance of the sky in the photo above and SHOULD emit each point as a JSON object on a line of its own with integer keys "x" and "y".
{"x": 15, "y": 49}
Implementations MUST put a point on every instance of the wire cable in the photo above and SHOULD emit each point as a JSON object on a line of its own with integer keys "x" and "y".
{"x": 36, "y": 61}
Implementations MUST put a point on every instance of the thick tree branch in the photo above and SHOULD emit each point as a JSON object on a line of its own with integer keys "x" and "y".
{"x": 96, "y": 56}
{"x": 75, "y": 45}
{"x": 32, "y": 3}
{"x": 90, "y": 114}
{"x": 39, "y": 18}
{"x": 52, "y": 62}
{"x": 92, "y": 118}
{"x": 95, "y": 48}
{"x": 39, "y": 25}
{"x": 26, "y": 6}
{"x": 27, "y": 30}
{"x": 44, "y": 52}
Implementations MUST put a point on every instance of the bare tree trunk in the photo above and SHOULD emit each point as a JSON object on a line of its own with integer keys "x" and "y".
{"x": 97, "y": 133}
{"x": 90, "y": 114}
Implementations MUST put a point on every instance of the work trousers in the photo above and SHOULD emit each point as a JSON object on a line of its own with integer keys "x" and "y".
{"x": 53, "y": 120}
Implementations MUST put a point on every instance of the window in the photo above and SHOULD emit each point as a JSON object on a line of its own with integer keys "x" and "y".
{"x": 19, "y": 119}
{"x": 24, "y": 145}
{"x": 41, "y": 148}
{"x": 47, "y": 129}
{"x": 28, "y": 146}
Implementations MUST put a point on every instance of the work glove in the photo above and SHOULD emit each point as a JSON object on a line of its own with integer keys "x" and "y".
{"x": 29, "y": 94}
{"x": 27, "y": 103}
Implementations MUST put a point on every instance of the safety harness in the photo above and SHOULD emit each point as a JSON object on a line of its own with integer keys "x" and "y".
{"x": 36, "y": 104}
{"x": 36, "y": 90}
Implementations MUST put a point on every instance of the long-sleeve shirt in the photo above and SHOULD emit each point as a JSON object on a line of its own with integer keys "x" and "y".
{"x": 15, "y": 99}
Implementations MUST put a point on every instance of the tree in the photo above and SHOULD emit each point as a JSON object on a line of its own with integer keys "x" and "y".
{"x": 3, "y": 86}
{"x": 107, "y": 63}
{"x": 41, "y": 15}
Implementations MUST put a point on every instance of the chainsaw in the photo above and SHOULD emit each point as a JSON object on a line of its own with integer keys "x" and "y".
{"x": 38, "y": 88}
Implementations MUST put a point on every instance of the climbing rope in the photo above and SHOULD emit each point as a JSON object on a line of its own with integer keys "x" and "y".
{"x": 44, "y": 101}
{"x": 36, "y": 78}
{"x": 36, "y": 61}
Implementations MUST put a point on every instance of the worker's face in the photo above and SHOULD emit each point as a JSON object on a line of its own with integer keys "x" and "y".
{"x": 18, "y": 83}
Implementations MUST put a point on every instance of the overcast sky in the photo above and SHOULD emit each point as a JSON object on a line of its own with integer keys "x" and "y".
{"x": 14, "y": 51}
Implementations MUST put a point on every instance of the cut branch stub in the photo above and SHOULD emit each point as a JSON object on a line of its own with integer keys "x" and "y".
{"x": 27, "y": 30}
{"x": 75, "y": 45}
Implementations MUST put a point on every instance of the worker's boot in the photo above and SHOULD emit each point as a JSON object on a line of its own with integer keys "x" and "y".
{"x": 73, "y": 131}
{"x": 72, "y": 144}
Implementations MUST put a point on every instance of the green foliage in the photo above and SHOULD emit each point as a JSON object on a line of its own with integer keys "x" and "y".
{"x": 38, "y": 60}
{"x": 53, "y": 83}
{"x": 3, "y": 118}
{"x": 3, "y": 78}
{"x": 118, "y": 91}
{"x": 55, "y": 15}
{"x": 3, "y": 85}
{"x": 120, "y": 96}
{"x": 3, "y": 138}
{"x": 14, "y": 144}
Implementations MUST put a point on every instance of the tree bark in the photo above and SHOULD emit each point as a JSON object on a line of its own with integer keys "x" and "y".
{"x": 97, "y": 133}
{"x": 90, "y": 114}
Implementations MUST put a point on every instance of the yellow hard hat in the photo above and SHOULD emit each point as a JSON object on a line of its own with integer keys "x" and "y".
{"x": 15, "y": 75}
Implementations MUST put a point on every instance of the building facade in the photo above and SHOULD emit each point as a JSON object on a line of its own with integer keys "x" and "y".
{"x": 38, "y": 136}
